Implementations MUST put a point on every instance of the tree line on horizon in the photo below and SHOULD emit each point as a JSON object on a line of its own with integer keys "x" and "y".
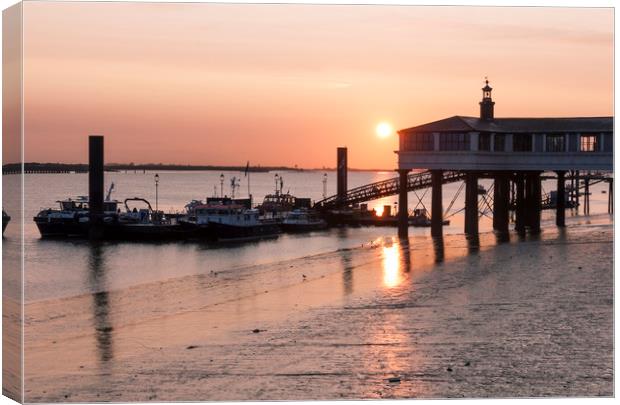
{"x": 35, "y": 167}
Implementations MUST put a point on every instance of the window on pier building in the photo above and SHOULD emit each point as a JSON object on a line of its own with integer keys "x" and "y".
{"x": 588, "y": 143}
{"x": 484, "y": 142}
{"x": 555, "y": 143}
{"x": 522, "y": 142}
{"x": 454, "y": 141}
{"x": 499, "y": 144}
{"x": 421, "y": 142}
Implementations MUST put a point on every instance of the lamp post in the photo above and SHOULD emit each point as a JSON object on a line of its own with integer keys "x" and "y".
{"x": 324, "y": 185}
{"x": 222, "y": 185}
{"x": 156, "y": 192}
{"x": 275, "y": 177}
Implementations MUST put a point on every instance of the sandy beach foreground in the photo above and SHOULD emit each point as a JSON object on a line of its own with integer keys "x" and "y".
{"x": 528, "y": 317}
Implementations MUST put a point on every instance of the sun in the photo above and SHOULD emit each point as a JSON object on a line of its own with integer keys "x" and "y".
{"x": 383, "y": 130}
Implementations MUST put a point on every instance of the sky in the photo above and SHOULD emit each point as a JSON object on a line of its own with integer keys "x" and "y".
{"x": 222, "y": 84}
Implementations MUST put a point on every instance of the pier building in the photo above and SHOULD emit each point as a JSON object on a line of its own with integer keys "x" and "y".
{"x": 512, "y": 151}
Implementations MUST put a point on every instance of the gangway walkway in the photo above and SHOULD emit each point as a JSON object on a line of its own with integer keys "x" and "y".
{"x": 385, "y": 188}
{"x": 422, "y": 180}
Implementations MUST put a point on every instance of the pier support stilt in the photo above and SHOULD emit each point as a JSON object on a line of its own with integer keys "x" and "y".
{"x": 403, "y": 206}
{"x": 610, "y": 197}
{"x": 471, "y": 204}
{"x": 437, "y": 208}
{"x": 560, "y": 203}
{"x": 95, "y": 186}
{"x": 520, "y": 203}
{"x": 533, "y": 196}
{"x": 576, "y": 190}
{"x": 341, "y": 176}
{"x": 501, "y": 201}
{"x": 586, "y": 196}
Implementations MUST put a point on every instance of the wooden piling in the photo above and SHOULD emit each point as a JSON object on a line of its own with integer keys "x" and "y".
{"x": 610, "y": 197}
{"x": 95, "y": 186}
{"x": 576, "y": 190}
{"x": 534, "y": 202}
{"x": 560, "y": 204}
{"x": 403, "y": 206}
{"x": 520, "y": 203}
{"x": 501, "y": 201}
{"x": 436, "y": 204}
{"x": 341, "y": 175}
{"x": 471, "y": 204}
{"x": 586, "y": 196}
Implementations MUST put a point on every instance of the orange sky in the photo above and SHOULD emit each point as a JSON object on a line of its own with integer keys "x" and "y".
{"x": 287, "y": 84}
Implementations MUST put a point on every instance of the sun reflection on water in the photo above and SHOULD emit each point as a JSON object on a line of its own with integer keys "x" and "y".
{"x": 392, "y": 276}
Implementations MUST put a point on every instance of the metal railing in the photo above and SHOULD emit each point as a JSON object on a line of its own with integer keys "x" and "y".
{"x": 385, "y": 188}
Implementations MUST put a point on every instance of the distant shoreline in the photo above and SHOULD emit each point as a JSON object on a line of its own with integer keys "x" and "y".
{"x": 34, "y": 167}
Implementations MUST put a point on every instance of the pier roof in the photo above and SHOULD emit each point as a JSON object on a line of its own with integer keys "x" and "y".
{"x": 459, "y": 123}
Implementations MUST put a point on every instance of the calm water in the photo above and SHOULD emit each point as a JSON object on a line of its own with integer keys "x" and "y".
{"x": 123, "y": 316}
{"x": 56, "y": 269}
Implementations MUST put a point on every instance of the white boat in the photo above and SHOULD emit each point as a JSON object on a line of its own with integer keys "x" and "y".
{"x": 302, "y": 220}
{"x": 233, "y": 222}
{"x": 72, "y": 217}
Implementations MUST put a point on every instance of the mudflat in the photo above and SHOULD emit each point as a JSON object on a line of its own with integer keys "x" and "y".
{"x": 528, "y": 317}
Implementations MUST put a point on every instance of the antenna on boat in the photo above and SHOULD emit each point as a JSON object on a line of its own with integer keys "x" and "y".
{"x": 247, "y": 174}
{"x": 107, "y": 196}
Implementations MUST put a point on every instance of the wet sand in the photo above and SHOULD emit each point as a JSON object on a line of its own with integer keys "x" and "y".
{"x": 531, "y": 317}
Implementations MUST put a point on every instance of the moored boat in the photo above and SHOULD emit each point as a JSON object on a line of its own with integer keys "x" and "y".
{"x": 146, "y": 224}
{"x": 234, "y": 222}
{"x": 420, "y": 218}
{"x": 302, "y": 220}
{"x": 71, "y": 219}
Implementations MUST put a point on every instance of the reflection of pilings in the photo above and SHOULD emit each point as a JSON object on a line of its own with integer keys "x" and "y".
{"x": 471, "y": 203}
{"x": 438, "y": 247}
{"x": 560, "y": 204}
{"x": 101, "y": 305}
{"x": 405, "y": 255}
{"x": 502, "y": 237}
{"x": 473, "y": 243}
{"x": 520, "y": 203}
{"x": 436, "y": 206}
{"x": 347, "y": 271}
{"x": 501, "y": 190}
{"x": 403, "y": 206}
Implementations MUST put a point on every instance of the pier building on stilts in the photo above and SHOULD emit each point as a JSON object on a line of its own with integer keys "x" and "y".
{"x": 514, "y": 152}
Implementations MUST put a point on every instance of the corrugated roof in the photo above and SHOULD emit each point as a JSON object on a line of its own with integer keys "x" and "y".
{"x": 460, "y": 123}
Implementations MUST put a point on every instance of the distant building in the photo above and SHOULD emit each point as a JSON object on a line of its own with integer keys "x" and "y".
{"x": 487, "y": 143}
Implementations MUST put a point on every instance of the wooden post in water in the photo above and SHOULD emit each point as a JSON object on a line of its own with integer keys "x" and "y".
{"x": 533, "y": 198}
{"x": 403, "y": 206}
{"x": 560, "y": 203}
{"x": 520, "y": 203}
{"x": 95, "y": 186}
{"x": 436, "y": 208}
{"x": 576, "y": 189}
{"x": 341, "y": 176}
{"x": 610, "y": 197}
{"x": 501, "y": 201}
{"x": 586, "y": 196}
{"x": 471, "y": 204}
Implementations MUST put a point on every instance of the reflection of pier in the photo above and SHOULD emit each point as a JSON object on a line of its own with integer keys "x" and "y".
{"x": 513, "y": 152}
{"x": 101, "y": 305}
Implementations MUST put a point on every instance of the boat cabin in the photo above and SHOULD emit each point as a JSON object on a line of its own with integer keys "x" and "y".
{"x": 81, "y": 204}
{"x": 231, "y": 214}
